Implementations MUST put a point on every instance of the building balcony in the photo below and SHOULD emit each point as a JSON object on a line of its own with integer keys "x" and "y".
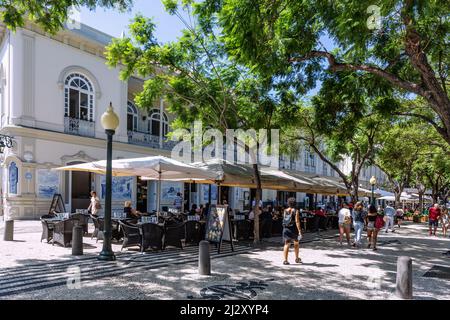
{"x": 79, "y": 127}
{"x": 149, "y": 140}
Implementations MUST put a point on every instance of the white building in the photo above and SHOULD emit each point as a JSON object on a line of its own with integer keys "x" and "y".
{"x": 53, "y": 91}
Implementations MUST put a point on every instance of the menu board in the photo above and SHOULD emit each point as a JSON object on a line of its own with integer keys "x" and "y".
{"x": 218, "y": 225}
{"x": 57, "y": 205}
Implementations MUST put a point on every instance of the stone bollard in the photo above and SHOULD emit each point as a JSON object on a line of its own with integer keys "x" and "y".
{"x": 8, "y": 233}
{"x": 77, "y": 241}
{"x": 204, "y": 260}
{"x": 404, "y": 288}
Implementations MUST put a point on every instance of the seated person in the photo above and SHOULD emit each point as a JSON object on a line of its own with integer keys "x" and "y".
{"x": 267, "y": 213}
{"x": 131, "y": 213}
{"x": 320, "y": 219}
{"x": 194, "y": 210}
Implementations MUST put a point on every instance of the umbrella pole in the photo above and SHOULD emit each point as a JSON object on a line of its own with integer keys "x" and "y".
{"x": 209, "y": 194}
{"x": 158, "y": 202}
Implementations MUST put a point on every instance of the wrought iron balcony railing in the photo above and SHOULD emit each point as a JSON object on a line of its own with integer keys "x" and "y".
{"x": 147, "y": 139}
{"x": 79, "y": 127}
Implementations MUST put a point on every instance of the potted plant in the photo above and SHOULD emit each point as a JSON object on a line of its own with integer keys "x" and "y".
{"x": 416, "y": 217}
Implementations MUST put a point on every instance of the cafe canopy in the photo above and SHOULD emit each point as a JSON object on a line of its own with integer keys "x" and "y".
{"x": 154, "y": 167}
{"x": 218, "y": 171}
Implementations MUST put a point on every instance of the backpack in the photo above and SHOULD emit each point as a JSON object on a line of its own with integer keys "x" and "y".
{"x": 287, "y": 218}
{"x": 379, "y": 222}
{"x": 98, "y": 205}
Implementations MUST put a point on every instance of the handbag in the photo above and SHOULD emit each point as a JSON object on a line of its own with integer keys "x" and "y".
{"x": 379, "y": 222}
{"x": 347, "y": 220}
{"x": 98, "y": 205}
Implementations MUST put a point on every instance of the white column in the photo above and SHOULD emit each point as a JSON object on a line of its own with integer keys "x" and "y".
{"x": 16, "y": 76}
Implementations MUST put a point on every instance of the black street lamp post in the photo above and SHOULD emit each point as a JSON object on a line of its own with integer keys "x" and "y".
{"x": 373, "y": 182}
{"x": 110, "y": 121}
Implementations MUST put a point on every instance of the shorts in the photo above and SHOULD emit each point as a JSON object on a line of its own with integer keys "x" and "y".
{"x": 433, "y": 223}
{"x": 343, "y": 225}
{"x": 371, "y": 226}
{"x": 290, "y": 233}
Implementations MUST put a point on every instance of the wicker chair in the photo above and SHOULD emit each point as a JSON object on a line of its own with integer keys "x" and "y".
{"x": 47, "y": 230}
{"x": 82, "y": 220}
{"x": 116, "y": 232}
{"x": 265, "y": 228}
{"x": 62, "y": 232}
{"x": 173, "y": 235}
{"x": 98, "y": 227}
{"x": 131, "y": 235}
{"x": 277, "y": 227}
{"x": 193, "y": 231}
{"x": 243, "y": 229}
{"x": 152, "y": 236}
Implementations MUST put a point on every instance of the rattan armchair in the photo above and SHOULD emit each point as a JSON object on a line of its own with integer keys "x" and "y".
{"x": 62, "y": 232}
{"x": 243, "y": 229}
{"x": 173, "y": 235}
{"x": 98, "y": 227}
{"x": 193, "y": 230}
{"x": 131, "y": 235}
{"x": 152, "y": 236}
{"x": 47, "y": 230}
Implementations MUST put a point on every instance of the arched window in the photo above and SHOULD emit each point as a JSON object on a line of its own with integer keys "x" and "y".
{"x": 132, "y": 117}
{"x": 154, "y": 121}
{"x": 79, "y": 97}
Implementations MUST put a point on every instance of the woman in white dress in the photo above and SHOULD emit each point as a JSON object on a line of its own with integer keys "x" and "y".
{"x": 345, "y": 222}
{"x": 95, "y": 205}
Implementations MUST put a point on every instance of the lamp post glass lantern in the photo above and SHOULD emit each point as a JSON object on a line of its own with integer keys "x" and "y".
{"x": 110, "y": 122}
{"x": 373, "y": 182}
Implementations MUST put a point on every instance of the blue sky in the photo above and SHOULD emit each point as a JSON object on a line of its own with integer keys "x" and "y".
{"x": 168, "y": 27}
{"x": 114, "y": 22}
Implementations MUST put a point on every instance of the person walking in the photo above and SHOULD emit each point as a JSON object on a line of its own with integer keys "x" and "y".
{"x": 445, "y": 221}
{"x": 389, "y": 213}
{"x": 399, "y": 214}
{"x": 433, "y": 218}
{"x": 320, "y": 219}
{"x": 178, "y": 202}
{"x": 291, "y": 231}
{"x": 359, "y": 215}
{"x": 95, "y": 205}
{"x": 372, "y": 227}
{"x": 344, "y": 222}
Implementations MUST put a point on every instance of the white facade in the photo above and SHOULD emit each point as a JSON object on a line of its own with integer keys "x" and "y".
{"x": 53, "y": 91}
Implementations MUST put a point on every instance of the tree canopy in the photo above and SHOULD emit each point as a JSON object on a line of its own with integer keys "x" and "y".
{"x": 50, "y": 14}
{"x": 198, "y": 81}
{"x": 398, "y": 48}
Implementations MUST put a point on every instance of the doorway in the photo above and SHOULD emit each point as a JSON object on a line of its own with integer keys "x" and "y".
{"x": 141, "y": 195}
{"x": 81, "y": 188}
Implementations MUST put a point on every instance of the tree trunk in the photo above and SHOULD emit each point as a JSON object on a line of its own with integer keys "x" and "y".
{"x": 355, "y": 188}
{"x": 397, "y": 198}
{"x": 421, "y": 201}
{"x": 256, "y": 210}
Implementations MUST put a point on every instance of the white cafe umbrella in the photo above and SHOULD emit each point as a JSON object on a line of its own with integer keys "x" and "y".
{"x": 154, "y": 167}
